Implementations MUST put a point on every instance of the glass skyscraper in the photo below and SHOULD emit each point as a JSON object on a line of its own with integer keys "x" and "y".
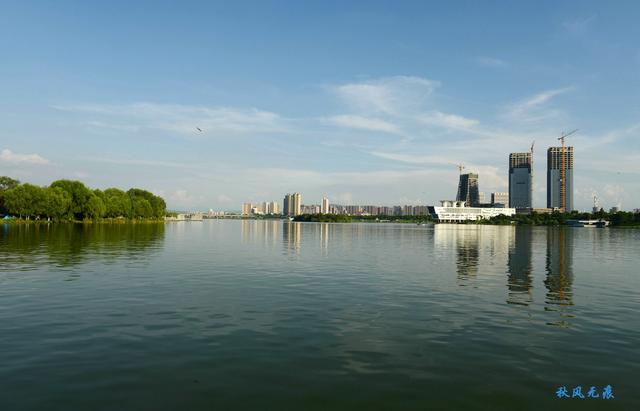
{"x": 520, "y": 180}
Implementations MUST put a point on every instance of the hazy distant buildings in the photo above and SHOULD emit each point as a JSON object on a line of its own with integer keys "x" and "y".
{"x": 324, "y": 208}
{"x": 500, "y": 200}
{"x": 245, "y": 209}
{"x": 292, "y": 204}
{"x": 310, "y": 209}
{"x": 468, "y": 189}
{"x": 271, "y": 207}
{"x": 520, "y": 180}
{"x": 554, "y": 166}
{"x": 266, "y": 207}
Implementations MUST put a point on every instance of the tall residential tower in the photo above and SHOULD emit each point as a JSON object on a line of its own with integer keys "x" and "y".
{"x": 520, "y": 180}
{"x": 554, "y": 165}
{"x": 291, "y": 204}
{"x": 324, "y": 208}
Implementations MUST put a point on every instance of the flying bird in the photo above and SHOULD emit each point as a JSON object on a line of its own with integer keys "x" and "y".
{"x": 199, "y": 129}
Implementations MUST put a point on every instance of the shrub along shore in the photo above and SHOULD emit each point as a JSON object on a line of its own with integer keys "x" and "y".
{"x": 72, "y": 201}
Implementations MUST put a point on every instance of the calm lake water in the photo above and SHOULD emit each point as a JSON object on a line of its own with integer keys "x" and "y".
{"x": 277, "y": 315}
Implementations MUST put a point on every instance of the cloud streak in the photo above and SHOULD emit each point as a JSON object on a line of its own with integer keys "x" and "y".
{"x": 534, "y": 108}
{"x": 9, "y": 157}
{"x": 364, "y": 123}
{"x": 491, "y": 62}
{"x": 387, "y": 95}
{"x": 182, "y": 119}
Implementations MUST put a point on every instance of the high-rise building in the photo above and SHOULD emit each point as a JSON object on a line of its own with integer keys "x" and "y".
{"x": 481, "y": 198}
{"x": 287, "y": 204}
{"x": 273, "y": 208}
{"x": 468, "y": 189}
{"x": 291, "y": 204}
{"x": 297, "y": 203}
{"x": 520, "y": 180}
{"x": 245, "y": 209}
{"x": 554, "y": 166}
{"x": 500, "y": 199}
{"x": 324, "y": 209}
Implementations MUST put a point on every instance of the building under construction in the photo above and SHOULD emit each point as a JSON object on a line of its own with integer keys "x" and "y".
{"x": 468, "y": 190}
{"x": 554, "y": 177}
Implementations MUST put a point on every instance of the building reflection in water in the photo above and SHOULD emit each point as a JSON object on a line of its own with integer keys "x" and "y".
{"x": 559, "y": 267}
{"x": 519, "y": 282}
{"x": 465, "y": 240}
{"x": 264, "y": 232}
{"x": 291, "y": 234}
{"x": 324, "y": 237}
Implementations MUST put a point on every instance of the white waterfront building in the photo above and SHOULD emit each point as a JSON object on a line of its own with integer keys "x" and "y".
{"x": 457, "y": 211}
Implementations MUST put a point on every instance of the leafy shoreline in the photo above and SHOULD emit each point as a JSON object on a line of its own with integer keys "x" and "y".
{"x": 68, "y": 200}
{"x": 17, "y": 221}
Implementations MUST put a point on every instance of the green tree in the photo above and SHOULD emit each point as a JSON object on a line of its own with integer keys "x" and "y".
{"x": 157, "y": 204}
{"x": 94, "y": 207}
{"x": 80, "y": 196}
{"x": 57, "y": 203}
{"x": 26, "y": 200}
{"x": 141, "y": 208}
{"x": 117, "y": 202}
{"x": 6, "y": 183}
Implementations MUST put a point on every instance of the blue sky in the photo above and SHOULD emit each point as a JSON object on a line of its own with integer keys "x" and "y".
{"x": 365, "y": 102}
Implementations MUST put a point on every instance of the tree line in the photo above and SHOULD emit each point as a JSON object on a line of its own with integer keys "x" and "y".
{"x": 72, "y": 200}
{"x": 620, "y": 218}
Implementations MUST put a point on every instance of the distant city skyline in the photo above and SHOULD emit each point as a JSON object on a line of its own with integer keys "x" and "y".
{"x": 210, "y": 106}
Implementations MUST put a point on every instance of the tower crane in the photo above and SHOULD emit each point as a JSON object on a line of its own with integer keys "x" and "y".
{"x": 533, "y": 143}
{"x": 563, "y": 183}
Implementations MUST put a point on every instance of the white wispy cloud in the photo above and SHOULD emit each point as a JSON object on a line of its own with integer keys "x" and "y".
{"x": 535, "y": 108}
{"x": 224, "y": 199}
{"x": 364, "y": 123}
{"x": 411, "y": 158}
{"x": 449, "y": 121}
{"x": 182, "y": 119}
{"x": 579, "y": 26}
{"x": 491, "y": 62}
{"x": 9, "y": 157}
{"x": 144, "y": 163}
{"x": 183, "y": 200}
{"x": 388, "y": 95}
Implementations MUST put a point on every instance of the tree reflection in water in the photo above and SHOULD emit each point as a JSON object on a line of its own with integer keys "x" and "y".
{"x": 28, "y": 246}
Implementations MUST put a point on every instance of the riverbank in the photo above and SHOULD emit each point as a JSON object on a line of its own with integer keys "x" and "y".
{"x": 18, "y": 221}
{"x": 342, "y": 218}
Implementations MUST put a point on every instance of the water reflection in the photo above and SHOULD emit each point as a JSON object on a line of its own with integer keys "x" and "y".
{"x": 559, "y": 268}
{"x": 466, "y": 242}
{"x": 324, "y": 236}
{"x": 519, "y": 283}
{"x": 291, "y": 234}
{"x": 29, "y": 246}
{"x": 266, "y": 232}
